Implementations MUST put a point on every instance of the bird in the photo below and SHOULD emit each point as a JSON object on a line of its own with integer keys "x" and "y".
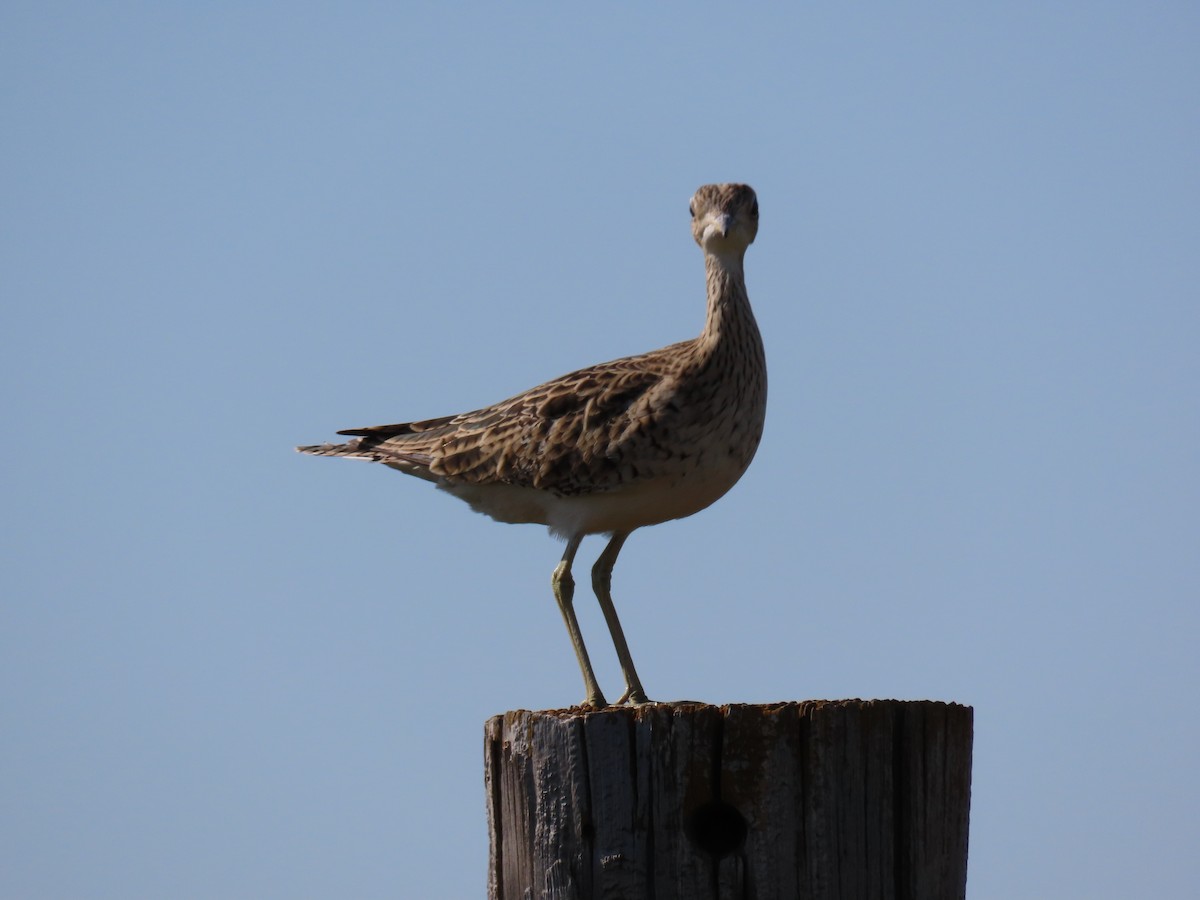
{"x": 612, "y": 447}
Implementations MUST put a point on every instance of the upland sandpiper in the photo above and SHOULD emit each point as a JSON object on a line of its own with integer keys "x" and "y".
{"x": 612, "y": 447}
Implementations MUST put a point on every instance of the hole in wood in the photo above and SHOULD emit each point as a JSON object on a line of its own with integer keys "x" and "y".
{"x": 717, "y": 828}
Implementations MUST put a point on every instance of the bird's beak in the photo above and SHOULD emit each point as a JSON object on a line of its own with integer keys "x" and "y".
{"x": 718, "y": 225}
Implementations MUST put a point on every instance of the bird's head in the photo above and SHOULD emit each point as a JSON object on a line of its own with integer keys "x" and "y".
{"x": 724, "y": 218}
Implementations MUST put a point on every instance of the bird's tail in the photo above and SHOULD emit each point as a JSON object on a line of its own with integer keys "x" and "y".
{"x": 349, "y": 450}
{"x": 384, "y": 444}
{"x": 405, "y": 442}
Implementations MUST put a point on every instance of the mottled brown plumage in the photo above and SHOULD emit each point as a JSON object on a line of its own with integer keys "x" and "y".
{"x": 612, "y": 447}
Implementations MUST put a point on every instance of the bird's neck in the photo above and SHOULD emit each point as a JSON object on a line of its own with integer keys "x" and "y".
{"x": 729, "y": 315}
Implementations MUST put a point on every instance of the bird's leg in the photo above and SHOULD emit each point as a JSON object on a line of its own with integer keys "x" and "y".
{"x": 564, "y": 593}
{"x": 602, "y": 584}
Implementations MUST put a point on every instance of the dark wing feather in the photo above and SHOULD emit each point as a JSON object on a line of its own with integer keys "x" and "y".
{"x": 561, "y": 436}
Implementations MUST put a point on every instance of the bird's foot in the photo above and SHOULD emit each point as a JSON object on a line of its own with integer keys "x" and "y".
{"x": 634, "y": 697}
{"x": 594, "y": 701}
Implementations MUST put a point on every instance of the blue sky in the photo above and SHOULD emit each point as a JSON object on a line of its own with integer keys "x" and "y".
{"x": 227, "y": 670}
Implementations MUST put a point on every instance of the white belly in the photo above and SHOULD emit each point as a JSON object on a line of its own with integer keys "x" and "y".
{"x": 637, "y": 504}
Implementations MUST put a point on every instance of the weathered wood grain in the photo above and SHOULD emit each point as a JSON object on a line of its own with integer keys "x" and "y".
{"x": 821, "y": 800}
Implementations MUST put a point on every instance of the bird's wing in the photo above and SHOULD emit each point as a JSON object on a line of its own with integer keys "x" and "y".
{"x": 567, "y": 435}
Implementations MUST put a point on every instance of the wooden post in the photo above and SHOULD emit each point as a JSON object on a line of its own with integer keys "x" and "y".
{"x": 821, "y": 800}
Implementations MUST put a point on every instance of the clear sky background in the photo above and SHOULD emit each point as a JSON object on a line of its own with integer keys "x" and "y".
{"x": 231, "y": 671}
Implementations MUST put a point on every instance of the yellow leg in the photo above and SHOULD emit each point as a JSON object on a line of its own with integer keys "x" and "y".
{"x": 564, "y": 593}
{"x": 602, "y": 584}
